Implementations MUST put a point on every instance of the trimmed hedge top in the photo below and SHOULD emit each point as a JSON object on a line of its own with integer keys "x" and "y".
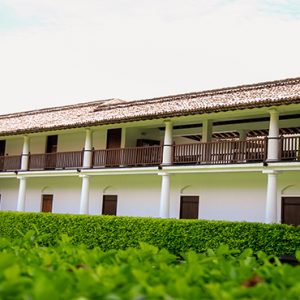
{"x": 178, "y": 236}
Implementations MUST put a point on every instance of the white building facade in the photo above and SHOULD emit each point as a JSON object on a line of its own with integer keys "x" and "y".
{"x": 228, "y": 154}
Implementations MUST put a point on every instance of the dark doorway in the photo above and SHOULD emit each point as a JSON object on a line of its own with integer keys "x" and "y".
{"x": 2, "y": 154}
{"x": 51, "y": 149}
{"x": 47, "y": 201}
{"x": 51, "y": 144}
{"x": 290, "y": 210}
{"x": 113, "y": 138}
{"x": 189, "y": 207}
{"x": 109, "y": 206}
{"x": 113, "y": 143}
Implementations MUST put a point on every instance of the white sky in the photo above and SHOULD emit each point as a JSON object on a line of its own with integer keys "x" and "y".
{"x": 57, "y": 52}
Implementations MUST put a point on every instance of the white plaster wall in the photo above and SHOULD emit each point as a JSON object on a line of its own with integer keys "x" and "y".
{"x": 14, "y": 146}
{"x": 227, "y": 196}
{"x": 138, "y": 195}
{"x": 132, "y": 134}
{"x": 65, "y": 190}
{"x": 71, "y": 142}
{"x": 37, "y": 144}
{"x": 9, "y": 194}
{"x": 99, "y": 139}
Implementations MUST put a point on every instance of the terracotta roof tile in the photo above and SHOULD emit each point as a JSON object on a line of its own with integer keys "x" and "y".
{"x": 116, "y": 110}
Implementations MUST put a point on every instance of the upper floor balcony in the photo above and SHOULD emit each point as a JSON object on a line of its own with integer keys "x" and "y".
{"x": 205, "y": 153}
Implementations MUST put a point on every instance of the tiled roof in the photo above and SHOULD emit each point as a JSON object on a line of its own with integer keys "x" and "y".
{"x": 115, "y": 110}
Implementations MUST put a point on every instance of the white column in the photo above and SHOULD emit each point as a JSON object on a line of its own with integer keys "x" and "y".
{"x": 22, "y": 194}
{"x": 206, "y": 137}
{"x": 271, "y": 200}
{"x": 165, "y": 195}
{"x": 206, "y": 131}
{"x": 25, "y": 154}
{"x": 123, "y": 137}
{"x": 273, "y": 137}
{"x": 84, "y": 199}
{"x": 242, "y": 134}
{"x": 88, "y": 149}
{"x": 168, "y": 143}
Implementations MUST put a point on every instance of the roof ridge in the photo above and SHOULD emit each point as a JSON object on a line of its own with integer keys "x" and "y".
{"x": 57, "y": 108}
{"x": 211, "y": 92}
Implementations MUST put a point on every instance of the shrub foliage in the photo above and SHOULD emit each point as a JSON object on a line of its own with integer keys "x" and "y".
{"x": 177, "y": 236}
{"x": 65, "y": 271}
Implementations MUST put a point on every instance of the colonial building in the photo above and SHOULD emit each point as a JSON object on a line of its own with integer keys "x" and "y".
{"x": 225, "y": 154}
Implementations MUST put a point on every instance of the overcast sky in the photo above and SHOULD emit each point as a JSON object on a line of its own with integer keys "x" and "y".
{"x": 58, "y": 52}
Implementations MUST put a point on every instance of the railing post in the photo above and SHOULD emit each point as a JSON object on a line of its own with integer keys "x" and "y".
{"x": 93, "y": 157}
{"x": 29, "y": 160}
{"x": 280, "y": 148}
{"x": 265, "y": 148}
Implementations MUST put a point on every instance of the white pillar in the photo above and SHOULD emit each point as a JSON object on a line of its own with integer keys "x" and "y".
{"x": 168, "y": 143}
{"x": 206, "y": 131}
{"x": 165, "y": 195}
{"x": 25, "y": 154}
{"x": 88, "y": 149}
{"x": 22, "y": 194}
{"x": 84, "y": 199}
{"x": 242, "y": 134}
{"x": 271, "y": 200}
{"x": 123, "y": 137}
{"x": 273, "y": 137}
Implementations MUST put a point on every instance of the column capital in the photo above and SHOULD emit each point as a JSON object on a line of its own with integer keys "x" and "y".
{"x": 169, "y": 121}
{"x": 273, "y": 110}
{"x": 84, "y": 176}
{"x": 163, "y": 174}
{"x": 274, "y": 172}
{"x": 21, "y": 177}
{"x": 204, "y": 120}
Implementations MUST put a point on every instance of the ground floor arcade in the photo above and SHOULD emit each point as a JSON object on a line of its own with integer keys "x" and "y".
{"x": 256, "y": 193}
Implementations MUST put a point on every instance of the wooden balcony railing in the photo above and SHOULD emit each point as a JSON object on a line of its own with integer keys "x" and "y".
{"x": 137, "y": 156}
{"x": 10, "y": 162}
{"x": 59, "y": 160}
{"x": 290, "y": 148}
{"x": 221, "y": 152}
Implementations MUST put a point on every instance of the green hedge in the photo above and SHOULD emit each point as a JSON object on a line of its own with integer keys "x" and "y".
{"x": 109, "y": 232}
